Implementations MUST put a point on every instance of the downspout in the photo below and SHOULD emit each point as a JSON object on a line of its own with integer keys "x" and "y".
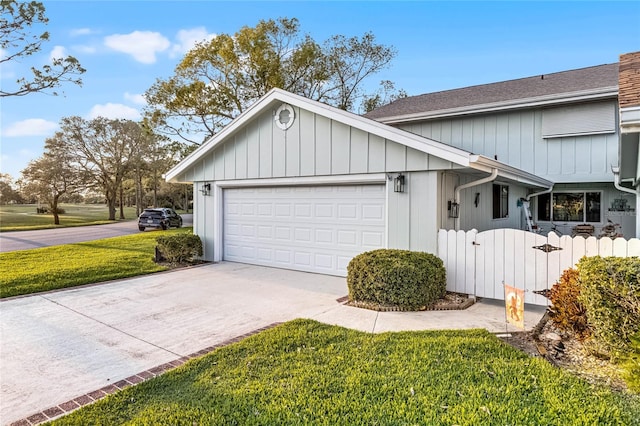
{"x": 619, "y": 187}
{"x": 456, "y": 196}
{"x": 616, "y": 182}
{"x": 535, "y": 194}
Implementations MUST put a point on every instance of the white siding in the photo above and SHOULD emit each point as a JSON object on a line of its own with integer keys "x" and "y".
{"x": 313, "y": 146}
{"x": 516, "y": 138}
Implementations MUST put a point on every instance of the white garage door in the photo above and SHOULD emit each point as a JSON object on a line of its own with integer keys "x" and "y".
{"x": 313, "y": 229}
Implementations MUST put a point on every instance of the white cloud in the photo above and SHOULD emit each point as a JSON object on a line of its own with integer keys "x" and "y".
{"x": 30, "y": 127}
{"x": 142, "y": 45}
{"x": 58, "y": 52}
{"x": 114, "y": 112}
{"x": 136, "y": 99}
{"x": 187, "y": 39}
{"x": 81, "y": 31}
{"x": 85, "y": 49}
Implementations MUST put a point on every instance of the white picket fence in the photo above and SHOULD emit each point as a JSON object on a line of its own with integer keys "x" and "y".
{"x": 481, "y": 263}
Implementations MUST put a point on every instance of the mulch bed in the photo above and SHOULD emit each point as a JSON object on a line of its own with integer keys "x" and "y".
{"x": 450, "y": 301}
{"x": 564, "y": 350}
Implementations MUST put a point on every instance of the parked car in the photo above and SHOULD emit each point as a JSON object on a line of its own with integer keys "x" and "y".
{"x": 163, "y": 218}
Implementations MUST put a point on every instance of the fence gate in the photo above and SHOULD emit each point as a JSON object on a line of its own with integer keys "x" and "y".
{"x": 480, "y": 263}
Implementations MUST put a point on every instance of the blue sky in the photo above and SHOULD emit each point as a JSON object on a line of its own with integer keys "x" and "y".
{"x": 126, "y": 45}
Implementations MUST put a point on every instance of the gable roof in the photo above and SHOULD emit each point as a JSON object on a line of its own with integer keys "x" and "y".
{"x": 419, "y": 143}
{"x": 592, "y": 83}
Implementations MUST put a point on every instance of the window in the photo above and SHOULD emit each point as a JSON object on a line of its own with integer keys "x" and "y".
{"x": 500, "y": 201}
{"x": 580, "y": 207}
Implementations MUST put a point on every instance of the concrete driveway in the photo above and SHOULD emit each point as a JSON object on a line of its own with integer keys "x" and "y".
{"x": 62, "y": 346}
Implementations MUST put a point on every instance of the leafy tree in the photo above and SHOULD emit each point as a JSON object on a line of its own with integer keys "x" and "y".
{"x": 218, "y": 79}
{"x": 386, "y": 94}
{"x": 7, "y": 193}
{"x": 104, "y": 150}
{"x": 52, "y": 176}
{"x": 16, "y": 44}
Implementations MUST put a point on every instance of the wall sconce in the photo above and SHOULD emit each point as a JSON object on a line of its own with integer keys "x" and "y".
{"x": 206, "y": 189}
{"x": 454, "y": 209}
{"x": 398, "y": 183}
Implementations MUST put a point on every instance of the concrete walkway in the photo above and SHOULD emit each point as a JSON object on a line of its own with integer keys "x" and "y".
{"x": 61, "y": 346}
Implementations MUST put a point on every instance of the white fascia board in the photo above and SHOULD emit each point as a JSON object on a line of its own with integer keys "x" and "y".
{"x": 630, "y": 119}
{"x": 419, "y": 143}
{"x": 555, "y": 99}
{"x": 361, "y": 179}
{"x": 480, "y": 162}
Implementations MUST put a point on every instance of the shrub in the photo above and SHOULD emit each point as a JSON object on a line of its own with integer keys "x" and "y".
{"x": 399, "y": 278}
{"x": 180, "y": 248}
{"x": 611, "y": 295}
{"x": 568, "y": 313}
{"x": 631, "y": 364}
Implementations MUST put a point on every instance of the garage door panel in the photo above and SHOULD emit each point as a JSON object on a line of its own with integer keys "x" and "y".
{"x": 315, "y": 229}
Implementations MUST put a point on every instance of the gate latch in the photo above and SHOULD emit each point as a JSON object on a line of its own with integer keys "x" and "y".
{"x": 547, "y": 248}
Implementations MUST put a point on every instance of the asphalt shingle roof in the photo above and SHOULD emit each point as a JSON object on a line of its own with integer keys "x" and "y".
{"x": 590, "y": 78}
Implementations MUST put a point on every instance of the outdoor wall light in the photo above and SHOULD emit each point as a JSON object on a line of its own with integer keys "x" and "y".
{"x": 398, "y": 183}
{"x": 454, "y": 209}
{"x": 206, "y": 189}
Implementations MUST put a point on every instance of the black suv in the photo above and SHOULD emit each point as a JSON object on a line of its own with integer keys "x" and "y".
{"x": 159, "y": 218}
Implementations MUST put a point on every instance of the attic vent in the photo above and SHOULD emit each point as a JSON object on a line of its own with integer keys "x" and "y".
{"x": 284, "y": 117}
{"x": 576, "y": 120}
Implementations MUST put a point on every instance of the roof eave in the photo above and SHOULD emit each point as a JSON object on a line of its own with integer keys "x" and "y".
{"x": 554, "y": 99}
{"x": 480, "y": 162}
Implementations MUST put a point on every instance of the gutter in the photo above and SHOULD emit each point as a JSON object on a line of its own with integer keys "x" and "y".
{"x": 456, "y": 197}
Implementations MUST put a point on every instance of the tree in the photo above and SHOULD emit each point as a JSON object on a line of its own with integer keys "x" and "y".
{"x": 217, "y": 80}
{"x": 386, "y": 94}
{"x": 104, "y": 150}
{"x": 16, "y": 44}
{"x": 52, "y": 176}
{"x": 7, "y": 193}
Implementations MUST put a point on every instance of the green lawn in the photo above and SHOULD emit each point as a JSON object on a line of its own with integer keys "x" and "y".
{"x": 49, "y": 268}
{"x": 304, "y": 372}
{"x": 22, "y": 217}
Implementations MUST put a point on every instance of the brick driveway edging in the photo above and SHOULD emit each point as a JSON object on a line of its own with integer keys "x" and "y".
{"x": 60, "y": 410}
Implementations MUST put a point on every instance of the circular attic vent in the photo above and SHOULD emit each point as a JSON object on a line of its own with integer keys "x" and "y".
{"x": 285, "y": 116}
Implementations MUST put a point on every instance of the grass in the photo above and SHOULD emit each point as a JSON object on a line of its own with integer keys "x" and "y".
{"x": 23, "y": 217}
{"x": 304, "y": 372}
{"x": 50, "y": 268}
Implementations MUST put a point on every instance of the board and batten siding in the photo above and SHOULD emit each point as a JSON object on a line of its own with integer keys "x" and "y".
{"x": 516, "y": 138}
{"x": 313, "y": 146}
{"x": 479, "y": 217}
{"x": 413, "y": 215}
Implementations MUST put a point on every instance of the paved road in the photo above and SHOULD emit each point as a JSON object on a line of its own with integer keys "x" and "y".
{"x": 25, "y": 240}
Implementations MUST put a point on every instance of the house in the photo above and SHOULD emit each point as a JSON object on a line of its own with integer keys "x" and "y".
{"x": 297, "y": 184}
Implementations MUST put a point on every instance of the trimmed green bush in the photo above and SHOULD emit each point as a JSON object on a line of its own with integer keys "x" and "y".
{"x": 568, "y": 313}
{"x": 611, "y": 295}
{"x": 180, "y": 248}
{"x": 398, "y": 278}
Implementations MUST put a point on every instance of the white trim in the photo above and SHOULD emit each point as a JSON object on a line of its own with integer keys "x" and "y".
{"x": 218, "y": 224}
{"x": 579, "y": 96}
{"x": 485, "y": 164}
{"x": 363, "y": 179}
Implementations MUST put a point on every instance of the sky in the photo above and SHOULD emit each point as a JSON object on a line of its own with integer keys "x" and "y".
{"x": 125, "y": 46}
